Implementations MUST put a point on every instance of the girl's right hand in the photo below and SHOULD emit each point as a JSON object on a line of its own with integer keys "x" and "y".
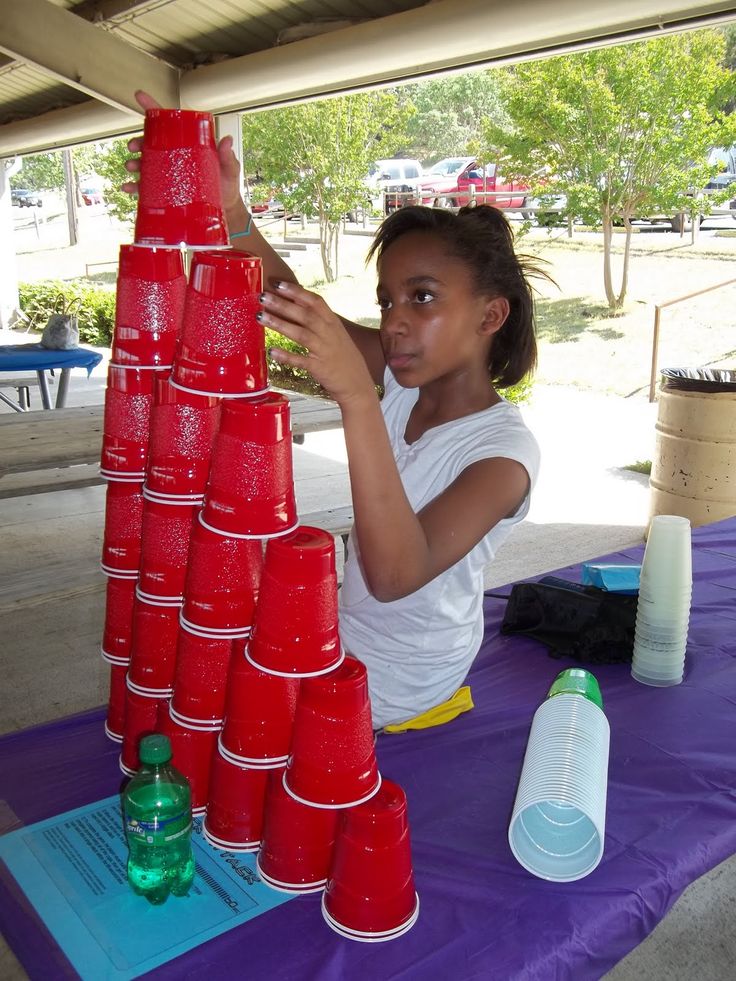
{"x": 229, "y": 166}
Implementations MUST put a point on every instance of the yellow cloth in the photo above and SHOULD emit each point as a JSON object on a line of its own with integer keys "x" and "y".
{"x": 461, "y": 701}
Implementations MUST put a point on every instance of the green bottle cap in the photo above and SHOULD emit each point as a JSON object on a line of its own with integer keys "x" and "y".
{"x": 155, "y": 749}
{"x": 576, "y": 681}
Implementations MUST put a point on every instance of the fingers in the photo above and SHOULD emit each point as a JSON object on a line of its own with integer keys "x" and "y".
{"x": 136, "y": 144}
{"x": 286, "y": 295}
{"x": 290, "y": 357}
{"x": 130, "y": 187}
{"x": 294, "y": 331}
{"x": 146, "y": 101}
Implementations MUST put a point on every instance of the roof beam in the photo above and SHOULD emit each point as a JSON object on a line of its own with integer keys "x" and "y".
{"x": 75, "y": 52}
{"x": 447, "y": 35}
{"x": 66, "y": 127}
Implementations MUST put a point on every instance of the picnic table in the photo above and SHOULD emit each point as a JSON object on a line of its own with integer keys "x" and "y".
{"x": 35, "y": 357}
{"x": 61, "y": 450}
{"x": 671, "y": 817}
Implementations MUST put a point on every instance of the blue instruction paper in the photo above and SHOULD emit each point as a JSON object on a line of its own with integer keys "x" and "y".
{"x": 72, "y": 868}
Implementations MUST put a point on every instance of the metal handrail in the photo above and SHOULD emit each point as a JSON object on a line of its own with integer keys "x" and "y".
{"x": 655, "y": 335}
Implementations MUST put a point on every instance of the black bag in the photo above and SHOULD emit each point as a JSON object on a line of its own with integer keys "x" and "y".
{"x": 61, "y": 332}
{"x": 582, "y": 622}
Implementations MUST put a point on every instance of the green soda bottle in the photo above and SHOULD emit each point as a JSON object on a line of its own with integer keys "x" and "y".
{"x": 157, "y": 809}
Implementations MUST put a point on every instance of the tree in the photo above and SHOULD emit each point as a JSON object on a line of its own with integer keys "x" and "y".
{"x": 109, "y": 163}
{"x": 449, "y": 112}
{"x": 622, "y": 132}
{"x": 40, "y": 172}
{"x": 317, "y": 156}
{"x": 45, "y": 171}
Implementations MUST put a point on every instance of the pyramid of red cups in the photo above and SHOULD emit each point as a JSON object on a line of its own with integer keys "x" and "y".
{"x": 221, "y": 626}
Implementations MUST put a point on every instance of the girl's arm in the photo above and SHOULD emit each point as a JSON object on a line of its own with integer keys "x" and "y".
{"x": 239, "y": 219}
{"x": 400, "y": 550}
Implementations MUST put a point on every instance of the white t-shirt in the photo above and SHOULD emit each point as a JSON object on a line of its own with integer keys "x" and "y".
{"x": 418, "y": 649}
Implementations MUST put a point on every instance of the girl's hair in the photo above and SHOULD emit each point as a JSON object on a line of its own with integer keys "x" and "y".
{"x": 481, "y": 237}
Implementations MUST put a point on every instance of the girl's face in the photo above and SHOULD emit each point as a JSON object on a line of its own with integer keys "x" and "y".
{"x": 433, "y": 323}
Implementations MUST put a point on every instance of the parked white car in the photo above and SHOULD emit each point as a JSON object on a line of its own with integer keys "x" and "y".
{"x": 397, "y": 181}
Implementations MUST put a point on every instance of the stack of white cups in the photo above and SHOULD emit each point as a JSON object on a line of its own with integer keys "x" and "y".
{"x": 558, "y": 822}
{"x": 663, "y": 609}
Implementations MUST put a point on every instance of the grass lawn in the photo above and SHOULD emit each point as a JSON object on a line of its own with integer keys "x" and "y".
{"x": 579, "y": 343}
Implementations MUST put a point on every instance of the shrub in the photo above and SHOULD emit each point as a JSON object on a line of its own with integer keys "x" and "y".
{"x": 96, "y": 317}
{"x": 95, "y": 310}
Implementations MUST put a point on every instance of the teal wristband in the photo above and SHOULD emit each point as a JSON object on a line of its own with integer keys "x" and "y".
{"x": 246, "y": 232}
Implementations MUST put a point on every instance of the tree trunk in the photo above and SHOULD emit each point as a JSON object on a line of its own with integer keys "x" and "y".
{"x": 625, "y": 270}
{"x": 607, "y": 279}
{"x": 329, "y": 237}
{"x": 615, "y": 301}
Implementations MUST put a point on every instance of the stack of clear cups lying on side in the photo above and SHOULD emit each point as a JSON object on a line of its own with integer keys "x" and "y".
{"x": 663, "y": 608}
{"x": 558, "y": 821}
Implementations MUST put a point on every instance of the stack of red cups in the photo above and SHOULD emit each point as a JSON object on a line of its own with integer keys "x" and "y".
{"x": 148, "y": 314}
{"x": 232, "y": 652}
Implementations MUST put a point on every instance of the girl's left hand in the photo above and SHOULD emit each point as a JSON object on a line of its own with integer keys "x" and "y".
{"x": 333, "y": 359}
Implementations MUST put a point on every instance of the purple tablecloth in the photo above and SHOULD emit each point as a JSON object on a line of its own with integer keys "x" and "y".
{"x": 671, "y": 817}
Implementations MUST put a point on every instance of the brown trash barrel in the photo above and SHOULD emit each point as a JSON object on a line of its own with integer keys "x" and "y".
{"x": 694, "y": 463}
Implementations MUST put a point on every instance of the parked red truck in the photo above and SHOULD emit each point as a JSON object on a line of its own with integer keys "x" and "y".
{"x": 448, "y": 185}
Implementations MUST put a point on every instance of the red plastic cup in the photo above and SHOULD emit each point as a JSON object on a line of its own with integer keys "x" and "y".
{"x": 221, "y": 584}
{"x": 222, "y": 349}
{"x": 142, "y": 714}
{"x": 200, "y": 679}
{"x": 333, "y": 760}
{"x": 128, "y": 402}
{"x": 165, "y": 536}
{"x": 192, "y": 752}
{"x": 118, "y": 629}
{"x": 115, "y": 720}
{"x": 183, "y": 428}
{"x": 234, "y": 818}
{"x": 149, "y": 306}
{"x": 179, "y": 200}
{"x": 153, "y": 648}
{"x": 370, "y": 892}
{"x": 297, "y": 844}
{"x": 295, "y": 628}
{"x": 250, "y": 493}
{"x": 121, "y": 543}
{"x": 259, "y": 714}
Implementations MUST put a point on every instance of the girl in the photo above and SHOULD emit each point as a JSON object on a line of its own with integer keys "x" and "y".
{"x": 440, "y": 469}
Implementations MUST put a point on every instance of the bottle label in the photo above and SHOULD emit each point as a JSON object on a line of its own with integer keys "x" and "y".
{"x": 159, "y": 831}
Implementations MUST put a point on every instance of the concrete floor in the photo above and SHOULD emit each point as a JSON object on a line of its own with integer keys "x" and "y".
{"x": 585, "y": 505}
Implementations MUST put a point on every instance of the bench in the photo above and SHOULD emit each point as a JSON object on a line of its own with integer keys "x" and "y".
{"x": 22, "y": 385}
{"x": 338, "y": 521}
{"x": 60, "y": 578}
